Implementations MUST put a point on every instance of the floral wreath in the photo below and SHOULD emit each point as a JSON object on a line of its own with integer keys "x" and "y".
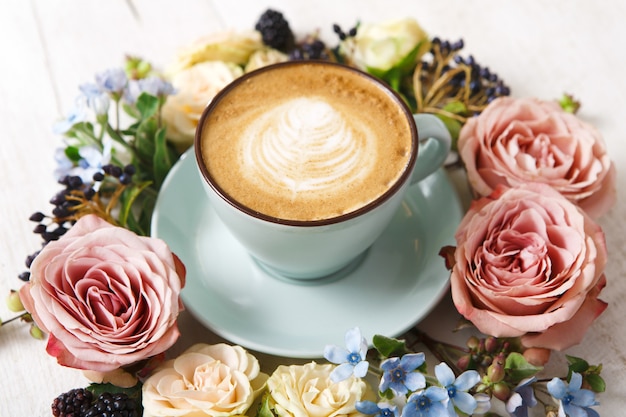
{"x": 526, "y": 271}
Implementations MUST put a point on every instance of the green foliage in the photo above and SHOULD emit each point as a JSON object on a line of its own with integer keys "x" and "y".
{"x": 265, "y": 410}
{"x": 388, "y": 347}
{"x": 518, "y": 368}
{"x": 590, "y": 373}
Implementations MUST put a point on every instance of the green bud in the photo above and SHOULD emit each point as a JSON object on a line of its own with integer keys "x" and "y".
{"x": 463, "y": 362}
{"x": 486, "y": 360}
{"x": 495, "y": 372}
{"x": 491, "y": 344}
{"x": 501, "y": 391}
{"x": 569, "y": 103}
{"x": 36, "y": 332}
{"x": 473, "y": 342}
{"x": 14, "y": 302}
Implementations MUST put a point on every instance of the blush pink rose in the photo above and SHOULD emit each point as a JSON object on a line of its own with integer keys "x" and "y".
{"x": 529, "y": 263}
{"x": 519, "y": 140}
{"x": 106, "y": 296}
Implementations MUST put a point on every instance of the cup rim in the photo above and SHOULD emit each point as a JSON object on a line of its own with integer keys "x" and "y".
{"x": 381, "y": 199}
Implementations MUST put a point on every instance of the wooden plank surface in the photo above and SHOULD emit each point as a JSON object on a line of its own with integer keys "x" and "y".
{"x": 49, "y": 47}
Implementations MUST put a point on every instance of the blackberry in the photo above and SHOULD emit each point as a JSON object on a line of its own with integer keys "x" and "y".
{"x": 113, "y": 405}
{"x": 310, "y": 48}
{"x": 73, "y": 403}
{"x": 275, "y": 30}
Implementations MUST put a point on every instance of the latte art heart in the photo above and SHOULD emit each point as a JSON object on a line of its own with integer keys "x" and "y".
{"x": 306, "y": 145}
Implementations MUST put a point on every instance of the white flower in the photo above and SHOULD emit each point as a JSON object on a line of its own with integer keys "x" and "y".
{"x": 228, "y": 46}
{"x": 265, "y": 57}
{"x": 384, "y": 45}
{"x": 195, "y": 88}
{"x": 307, "y": 391}
{"x": 209, "y": 380}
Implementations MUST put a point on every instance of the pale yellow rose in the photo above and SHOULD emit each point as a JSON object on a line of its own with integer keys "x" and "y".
{"x": 307, "y": 391}
{"x": 195, "y": 88}
{"x": 206, "y": 380}
{"x": 265, "y": 57}
{"x": 382, "y": 46}
{"x": 228, "y": 46}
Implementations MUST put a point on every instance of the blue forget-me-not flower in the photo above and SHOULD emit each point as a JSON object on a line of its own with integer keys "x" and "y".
{"x": 400, "y": 375}
{"x": 351, "y": 360}
{"x": 427, "y": 403}
{"x": 573, "y": 401}
{"x": 457, "y": 388}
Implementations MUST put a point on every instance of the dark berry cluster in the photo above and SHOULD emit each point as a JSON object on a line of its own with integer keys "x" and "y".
{"x": 75, "y": 199}
{"x": 344, "y": 35}
{"x": 310, "y": 48}
{"x": 275, "y": 30}
{"x": 480, "y": 81}
{"x": 74, "y": 403}
{"x": 113, "y": 405}
{"x": 80, "y": 402}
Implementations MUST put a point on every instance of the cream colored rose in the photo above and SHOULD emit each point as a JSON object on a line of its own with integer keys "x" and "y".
{"x": 265, "y": 57}
{"x": 195, "y": 88}
{"x": 211, "y": 380}
{"x": 307, "y": 391}
{"x": 228, "y": 46}
{"x": 384, "y": 45}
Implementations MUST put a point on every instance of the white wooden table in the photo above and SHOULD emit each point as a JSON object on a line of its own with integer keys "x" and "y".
{"x": 49, "y": 47}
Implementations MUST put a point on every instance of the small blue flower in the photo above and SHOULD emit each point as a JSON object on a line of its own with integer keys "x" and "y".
{"x": 112, "y": 81}
{"x": 400, "y": 374}
{"x": 77, "y": 114}
{"x": 91, "y": 161}
{"x": 97, "y": 100}
{"x": 457, "y": 388}
{"x": 154, "y": 86}
{"x": 522, "y": 398}
{"x": 351, "y": 361}
{"x": 573, "y": 400}
{"x": 427, "y": 403}
{"x": 382, "y": 409}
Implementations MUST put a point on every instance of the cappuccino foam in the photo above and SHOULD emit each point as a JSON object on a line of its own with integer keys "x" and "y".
{"x": 306, "y": 142}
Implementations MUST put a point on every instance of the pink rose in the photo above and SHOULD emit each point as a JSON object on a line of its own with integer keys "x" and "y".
{"x": 529, "y": 263}
{"x": 106, "y": 296}
{"x": 519, "y": 140}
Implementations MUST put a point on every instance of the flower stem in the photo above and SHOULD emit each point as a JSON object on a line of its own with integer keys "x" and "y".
{"x": 20, "y": 316}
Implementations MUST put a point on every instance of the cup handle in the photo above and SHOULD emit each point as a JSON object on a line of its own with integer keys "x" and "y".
{"x": 434, "y": 145}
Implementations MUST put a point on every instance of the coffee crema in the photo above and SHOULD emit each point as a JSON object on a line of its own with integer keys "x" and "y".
{"x": 305, "y": 142}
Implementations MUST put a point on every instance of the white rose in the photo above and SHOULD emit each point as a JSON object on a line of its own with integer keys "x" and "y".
{"x": 265, "y": 57}
{"x": 384, "y": 45}
{"x": 228, "y": 46}
{"x": 307, "y": 391}
{"x": 212, "y": 380}
{"x": 195, "y": 88}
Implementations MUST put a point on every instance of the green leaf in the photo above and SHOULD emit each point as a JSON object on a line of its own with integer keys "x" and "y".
{"x": 596, "y": 382}
{"x": 131, "y": 111}
{"x": 72, "y": 153}
{"x": 518, "y": 368}
{"x": 265, "y": 410}
{"x": 127, "y": 199}
{"x": 455, "y": 107}
{"x": 83, "y": 132}
{"x": 163, "y": 159}
{"x": 578, "y": 365}
{"x": 388, "y": 347}
{"x": 140, "y": 223}
{"x": 144, "y": 139}
{"x": 147, "y": 105}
